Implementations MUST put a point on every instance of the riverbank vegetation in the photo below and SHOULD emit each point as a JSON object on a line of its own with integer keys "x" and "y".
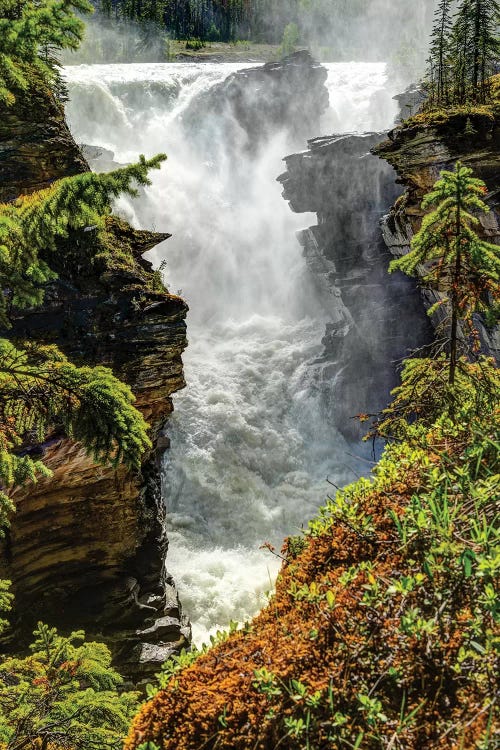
{"x": 333, "y": 30}
{"x": 384, "y": 628}
{"x": 262, "y": 21}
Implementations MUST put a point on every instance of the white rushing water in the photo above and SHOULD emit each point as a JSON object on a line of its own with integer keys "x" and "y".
{"x": 252, "y": 440}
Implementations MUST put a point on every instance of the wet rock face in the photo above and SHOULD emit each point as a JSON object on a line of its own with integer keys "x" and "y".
{"x": 419, "y": 154}
{"x": 86, "y": 548}
{"x": 88, "y": 545}
{"x": 376, "y": 318}
{"x": 257, "y": 102}
{"x": 36, "y": 146}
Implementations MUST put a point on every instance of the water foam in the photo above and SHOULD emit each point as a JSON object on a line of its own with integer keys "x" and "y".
{"x": 252, "y": 441}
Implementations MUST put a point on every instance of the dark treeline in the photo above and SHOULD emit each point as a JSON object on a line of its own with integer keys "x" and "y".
{"x": 344, "y": 24}
{"x": 230, "y": 20}
{"x": 213, "y": 20}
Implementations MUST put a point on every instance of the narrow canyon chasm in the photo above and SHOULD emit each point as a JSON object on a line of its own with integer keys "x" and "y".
{"x": 292, "y": 332}
{"x": 289, "y": 337}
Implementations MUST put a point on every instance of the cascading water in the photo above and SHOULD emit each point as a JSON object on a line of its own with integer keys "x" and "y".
{"x": 252, "y": 443}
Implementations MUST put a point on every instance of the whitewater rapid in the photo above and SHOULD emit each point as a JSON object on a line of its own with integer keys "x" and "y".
{"x": 252, "y": 441}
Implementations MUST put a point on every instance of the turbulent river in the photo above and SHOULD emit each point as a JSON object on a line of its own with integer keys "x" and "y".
{"x": 252, "y": 444}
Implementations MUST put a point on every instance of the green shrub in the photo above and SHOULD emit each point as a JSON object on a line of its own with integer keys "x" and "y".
{"x": 194, "y": 44}
{"x": 289, "y": 41}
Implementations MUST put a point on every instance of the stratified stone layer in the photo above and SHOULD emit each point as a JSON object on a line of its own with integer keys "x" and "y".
{"x": 376, "y": 318}
{"x": 36, "y": 146}
{"x": 86, "y": 548}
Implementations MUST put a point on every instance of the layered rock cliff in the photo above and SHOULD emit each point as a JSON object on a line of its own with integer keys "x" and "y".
{"x": 419, "y": 151}
{"x": 375, "y": 318}
{"x": 86, "y": 548}
{"x": 36, "y": 146}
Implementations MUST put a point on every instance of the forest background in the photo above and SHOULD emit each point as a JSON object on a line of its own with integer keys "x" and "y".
{"x": 166, "y": 30}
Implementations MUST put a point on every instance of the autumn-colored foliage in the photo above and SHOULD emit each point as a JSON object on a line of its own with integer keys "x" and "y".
{"x": 383, "y": 628}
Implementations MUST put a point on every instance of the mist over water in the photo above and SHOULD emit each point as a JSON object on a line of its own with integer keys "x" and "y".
{"x": 394, "y": 31}
{"x": 252, "y": 442}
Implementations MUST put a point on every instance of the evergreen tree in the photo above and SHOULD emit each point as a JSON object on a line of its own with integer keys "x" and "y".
{"x": 33, "y": 223}
{"x": 440, "y": 51}
{"x": 485, "y": 44}
{"x": 464, "y": 268}
{"x": 40, "y": 388}
{"x": 290, "y": 40}
{"x": 476, "y": 48}
{"x": 65, "y": 694}
{"x": 28, "y": 30}
{"x": 459, "y": 41}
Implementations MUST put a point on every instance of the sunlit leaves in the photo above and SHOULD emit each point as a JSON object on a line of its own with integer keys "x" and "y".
{"x": 449, "y": 256}
{"x": 34, "y": 223}
{"x": 39, "y": 388}
{"x": 449, "y": 231}
{"x": 28, "y": 31}
{"x": 64, "y": 694}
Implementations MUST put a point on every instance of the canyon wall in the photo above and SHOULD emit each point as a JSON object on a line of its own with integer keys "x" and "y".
{"x": 419, "y": 151}
{"x": 86, "y": 548}
{"x": 376, "y": 318}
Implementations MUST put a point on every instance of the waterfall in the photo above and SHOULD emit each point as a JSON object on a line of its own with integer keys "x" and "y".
{"x": 252, "y": 442}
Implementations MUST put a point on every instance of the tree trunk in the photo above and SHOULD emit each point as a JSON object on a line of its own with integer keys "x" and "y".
{"x": 476, "y": 47}
{"x": 454, "y": 291}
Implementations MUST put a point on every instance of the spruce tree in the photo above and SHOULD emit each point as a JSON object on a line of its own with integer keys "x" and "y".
{"x": 27, "y": 30}
{"x": 439, "y": 52}
{"x": 476, "y": 48}
{"x": 41, "y": 390}
{"x": 451, "y": 255}
{"x": 485, "y": 44}
{"x": 33, "y": 223}
{"x": 64, "y": 694}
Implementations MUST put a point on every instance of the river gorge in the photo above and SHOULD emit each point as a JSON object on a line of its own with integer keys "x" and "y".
{"x": 249, "y": 374}
{"x": 264, "y": 420}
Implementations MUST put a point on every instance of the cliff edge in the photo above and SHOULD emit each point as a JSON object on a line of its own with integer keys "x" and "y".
{"x": 419, "y": 150}
{"x": 86, "y": 548}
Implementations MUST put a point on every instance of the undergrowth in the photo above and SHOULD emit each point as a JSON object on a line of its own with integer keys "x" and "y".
{"x": 440, "y": 115}
{"x": 383, "y": 632}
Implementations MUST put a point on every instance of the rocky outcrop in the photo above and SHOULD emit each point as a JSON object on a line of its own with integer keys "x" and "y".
{"x": 375, "y": 318}
{"x": 261, "y": 101}
{"x": 36, "y": 146}
{"x": 418, "y": 153}
{"x": 86, "y": 548}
